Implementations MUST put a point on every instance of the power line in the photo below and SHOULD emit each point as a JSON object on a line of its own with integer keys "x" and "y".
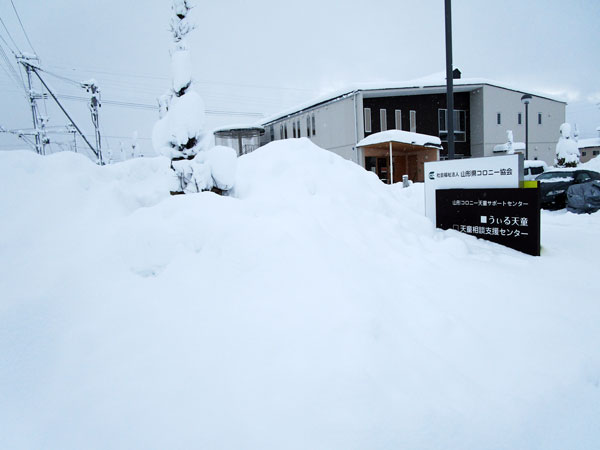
{"x": 10, "y": 35}
{"x": 23, "y": 28}
{"x": 9, "y": 67}
{"x": 134, "y": 105}
{"x": 195, "y": 81}
{"x": 7, "y": 46}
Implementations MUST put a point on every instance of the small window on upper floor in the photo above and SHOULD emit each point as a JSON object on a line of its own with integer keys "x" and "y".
{"x": 499, "y": 118}
{"x": 383, "y": 119}
{"x": 294, "y": 129}
{"x": 285, "y": 130}
{"x": 398, "y": 114}
{"x": 367, "y": 112}
{"x": 520, "y": 118}
{"x": 272, "y": 133}
{"x": 314, "y": 128}
{"x": 413, "y": 121}
{"x": 539, "y": 118}
{"x": 308, "y": 126}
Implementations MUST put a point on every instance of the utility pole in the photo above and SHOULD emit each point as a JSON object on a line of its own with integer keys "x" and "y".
{"x": 91, "y": 86}
{"x": 449, "y": 81}
{"x": 35, "y": 71}
{"x": 33, "y": 97}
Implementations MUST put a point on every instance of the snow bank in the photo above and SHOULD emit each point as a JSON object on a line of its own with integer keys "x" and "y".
{"x": 316, "y": 309}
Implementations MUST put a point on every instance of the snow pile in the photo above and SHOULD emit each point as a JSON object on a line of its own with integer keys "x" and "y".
{"x": 318, "y": 308}
{"x": 567, "y": 152}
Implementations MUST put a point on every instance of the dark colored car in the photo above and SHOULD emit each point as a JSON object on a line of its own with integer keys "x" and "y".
{"x": 554, "y": 185}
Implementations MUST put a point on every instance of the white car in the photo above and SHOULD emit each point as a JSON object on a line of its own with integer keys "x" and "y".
{"x": 533, "y": 168}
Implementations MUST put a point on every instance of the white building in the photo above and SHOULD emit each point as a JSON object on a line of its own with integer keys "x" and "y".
{"x": 484, "y": 111}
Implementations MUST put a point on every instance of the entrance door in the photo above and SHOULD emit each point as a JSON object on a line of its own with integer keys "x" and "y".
{"x": 382, "y": 169}
{"x": 413, "y": 168}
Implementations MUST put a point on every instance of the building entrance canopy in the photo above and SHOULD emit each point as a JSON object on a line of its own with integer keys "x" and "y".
{"x": 406, "y": 151}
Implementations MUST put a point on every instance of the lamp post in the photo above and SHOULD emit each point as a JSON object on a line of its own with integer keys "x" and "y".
{"x": 449, "y": 80}
{"x": 526, "y": 99}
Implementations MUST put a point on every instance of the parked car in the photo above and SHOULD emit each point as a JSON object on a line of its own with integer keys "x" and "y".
{"x": 554, "y": 185}
{"x": 584, "y": 198}
{"x": 533, "y": 168}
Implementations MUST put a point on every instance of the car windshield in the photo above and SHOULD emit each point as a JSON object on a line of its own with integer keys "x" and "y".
{"x": 555, "y": 176}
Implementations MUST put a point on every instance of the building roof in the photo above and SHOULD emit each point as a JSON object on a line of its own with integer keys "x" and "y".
{"x": 433, "y": 84}
{"x": 587, "y": 143}
{"x": 403, "y": 137}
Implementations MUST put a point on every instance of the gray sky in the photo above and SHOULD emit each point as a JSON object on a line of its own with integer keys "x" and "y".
{"x": 263, "y": 56}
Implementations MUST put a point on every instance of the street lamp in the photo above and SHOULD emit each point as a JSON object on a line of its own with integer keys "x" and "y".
{"x": 526, "y": 99}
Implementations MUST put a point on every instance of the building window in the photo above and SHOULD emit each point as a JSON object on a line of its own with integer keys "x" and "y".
{"x": 367, "y": 120}
{"x": 294, "y": 128}
{"x": 539, "y": 118}
{"x": 460, "y": 125}
{"x": 499, "y": 118}
{"x": 520, "y": 119}
{"x": 308, "y": 126}
{"x": 583, "y": 153}
{"x": 413, "y": 121}
{"x": 271, "y": 133}
{"x": 281, "y": 136}
{"x": 314, "y": 128}
{"x": 398, "y": 115}
{"x": 285, "y": 130}
{"x": 596, "y": 152}
{"x": 299, "y": 129}
{"x": 383, "y": 119}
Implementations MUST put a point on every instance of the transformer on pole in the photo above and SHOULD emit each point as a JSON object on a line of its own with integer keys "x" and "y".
{"x": 91, "y": 86}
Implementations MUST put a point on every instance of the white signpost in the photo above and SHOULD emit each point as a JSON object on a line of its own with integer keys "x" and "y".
{"x": 473, "y": 173}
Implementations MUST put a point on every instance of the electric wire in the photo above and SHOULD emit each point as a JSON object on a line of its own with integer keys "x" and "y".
{"x": 9, "y": 68}
{"x": 23, "y": 28}
{"x": 9, "y": 35}
{"x": 7, "y": 45}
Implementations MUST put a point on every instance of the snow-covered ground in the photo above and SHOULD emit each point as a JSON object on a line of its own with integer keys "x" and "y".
{"x": 317, "y": 308}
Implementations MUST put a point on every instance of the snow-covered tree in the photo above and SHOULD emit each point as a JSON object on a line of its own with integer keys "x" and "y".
{"x": 567, "y": 152}
{"x": 179, "y": 132}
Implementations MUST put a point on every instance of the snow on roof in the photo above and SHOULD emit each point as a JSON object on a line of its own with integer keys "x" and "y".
{"x": 587, "y": 143}
{"x": 534, "y": 163}
{"x": 404, "y": 137}
{"x": 238, "y": 126}
{"x": 437, "y": 80}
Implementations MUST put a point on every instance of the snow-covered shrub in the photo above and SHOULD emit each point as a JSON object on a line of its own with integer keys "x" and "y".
{"x": 567, "y": 152}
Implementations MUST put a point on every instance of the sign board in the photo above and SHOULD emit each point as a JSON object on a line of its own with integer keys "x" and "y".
{"x": 473, "y": 173}
{"x": 510, "y": 217}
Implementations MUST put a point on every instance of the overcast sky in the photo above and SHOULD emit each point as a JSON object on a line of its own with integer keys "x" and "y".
{"x": 262, "y": 56}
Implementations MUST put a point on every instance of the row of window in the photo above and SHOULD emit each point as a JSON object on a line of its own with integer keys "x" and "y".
{"x": 383, "y": 120}
{"x": 594, "y": 152}
{"x": 519, "y": 118}
{"x": 460, "y": 125}
{"x": 311, "y": 129}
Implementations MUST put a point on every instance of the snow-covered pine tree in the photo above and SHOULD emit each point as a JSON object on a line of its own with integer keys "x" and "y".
{"x": 567, "y": 152}
{"x": 179, "y": 132}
